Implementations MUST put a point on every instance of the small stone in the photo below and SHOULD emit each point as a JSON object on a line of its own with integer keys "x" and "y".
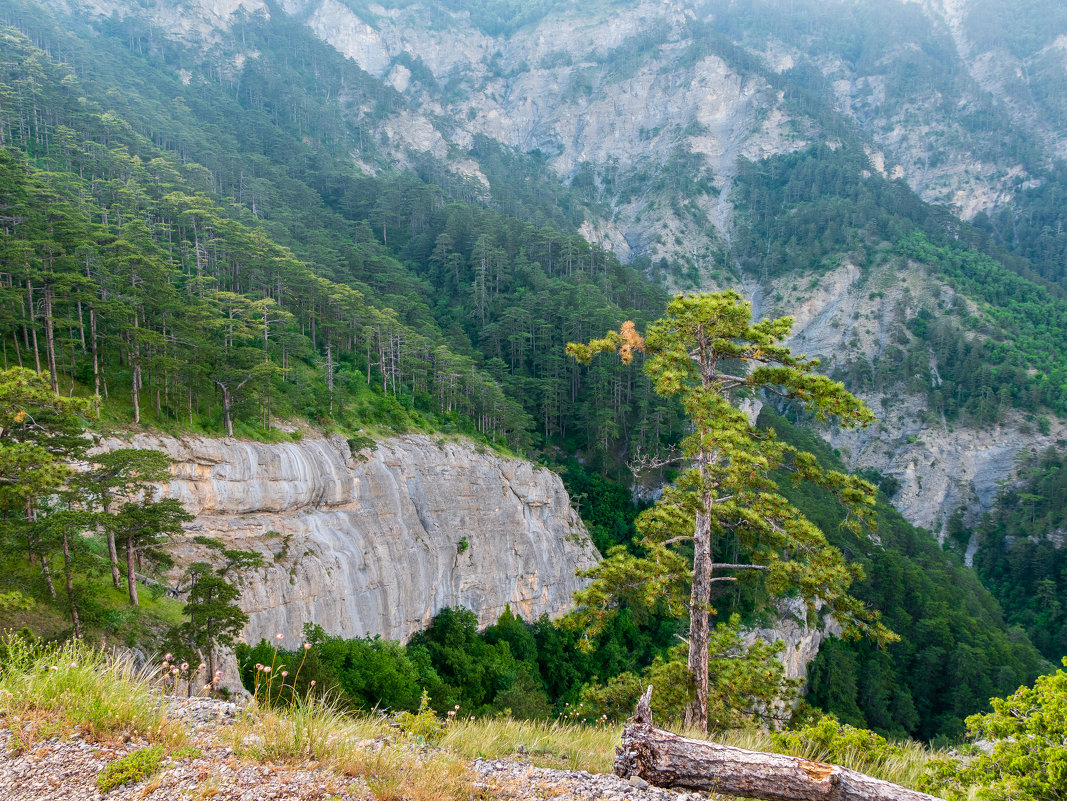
{"x": 638, "y": 782}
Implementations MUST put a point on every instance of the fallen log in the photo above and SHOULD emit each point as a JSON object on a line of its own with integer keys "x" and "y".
{"x": 669, "y": 760}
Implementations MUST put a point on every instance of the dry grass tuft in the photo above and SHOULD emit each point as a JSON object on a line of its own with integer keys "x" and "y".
{"x": 392, "y": 765}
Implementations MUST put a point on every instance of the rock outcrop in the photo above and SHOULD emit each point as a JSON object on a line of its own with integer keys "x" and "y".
{"x": 378, "y": 541}
{"x": 846, "y": 314}
{"x": 800, "y": 640}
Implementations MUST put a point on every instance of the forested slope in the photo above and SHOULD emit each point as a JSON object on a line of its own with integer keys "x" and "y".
{"x": 278, "y": 273}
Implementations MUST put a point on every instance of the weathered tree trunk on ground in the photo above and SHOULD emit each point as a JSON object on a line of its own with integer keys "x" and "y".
{"x": 669, "y": 760}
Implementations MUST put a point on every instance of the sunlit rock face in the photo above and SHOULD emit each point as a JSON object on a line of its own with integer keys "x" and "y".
{"x": 378, "y": 541}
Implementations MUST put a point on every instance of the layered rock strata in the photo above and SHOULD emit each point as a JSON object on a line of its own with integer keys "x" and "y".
{"x": 376, "y": 542}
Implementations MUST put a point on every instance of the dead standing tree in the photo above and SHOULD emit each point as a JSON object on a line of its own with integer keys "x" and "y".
{"x": 670, "y": 760}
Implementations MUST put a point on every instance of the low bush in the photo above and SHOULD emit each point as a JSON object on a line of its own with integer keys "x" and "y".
{"x": 132, "y": 768}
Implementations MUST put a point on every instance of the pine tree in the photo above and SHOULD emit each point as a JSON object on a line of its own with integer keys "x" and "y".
{"x": 707, "y": 351}
{"x": 214, "y": 617}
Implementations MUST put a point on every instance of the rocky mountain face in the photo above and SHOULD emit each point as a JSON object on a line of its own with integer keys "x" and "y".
{"x": 940, "y": 466}
{"x": 648, "y": 108}
{"x": 375, "y": 542}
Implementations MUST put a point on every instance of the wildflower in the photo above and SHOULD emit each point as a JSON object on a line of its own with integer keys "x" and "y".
{"x": 307, "y": 646}
{"x": 185, "y": 666}
{"x": 313, "y": 682}
{"x": 218, "y": 674}
{"x": 258, "y": 667}
{"x": 202, "y": 666}
{"x": 73, "y": 664}
{"x": 280, "y": 637}
{"x": 53, "y": 667}
{"x": 285, "y": 673}
{"x": 174, "y": 670}
{"x": 167, "y": 657}
{"x": 207, "y": 687}
{"x": 266, "y": 668}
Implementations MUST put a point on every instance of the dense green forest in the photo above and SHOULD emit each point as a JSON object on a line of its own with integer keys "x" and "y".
{"x": 1020, "y": 554}
{"x": 216, "y": 296}
{"x": 955, "y": 650}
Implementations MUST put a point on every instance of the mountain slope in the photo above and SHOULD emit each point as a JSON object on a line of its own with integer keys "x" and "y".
{"x": 712, "y": 144}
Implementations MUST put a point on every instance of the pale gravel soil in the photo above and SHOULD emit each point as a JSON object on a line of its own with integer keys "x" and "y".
{"x": 65, "y": 768}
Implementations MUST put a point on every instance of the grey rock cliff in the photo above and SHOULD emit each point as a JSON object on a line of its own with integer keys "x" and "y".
{"x": 847, "y": 313}
{"x": 378, "y": 542}
{"x": 800, "y": 640}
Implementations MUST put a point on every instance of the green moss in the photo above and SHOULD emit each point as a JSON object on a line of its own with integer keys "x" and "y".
{"x": 131, "y": 768}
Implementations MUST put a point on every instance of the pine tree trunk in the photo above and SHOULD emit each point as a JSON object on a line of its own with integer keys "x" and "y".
{"x": 329, "y": 370}
{"x": 70, "y": 588}
{"x": 33, "y": 329}
{"x": 670, "y": 760}
{"x": 696, "y": 711}
{"x": 135, "y": 379}
{"x": 113, "y": 556}
{"x": 96, "y": 355}
{"x": 48, "y": 576}
{"x": 50, "y": 338}
{"x": 226, "y": 403}
{"x": 131, "y": 577}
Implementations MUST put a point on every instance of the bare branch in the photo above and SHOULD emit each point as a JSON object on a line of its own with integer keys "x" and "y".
{"x": 720, "y": 566}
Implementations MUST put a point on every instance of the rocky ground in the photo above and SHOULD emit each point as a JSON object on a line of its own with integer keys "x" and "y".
{"x": 65, "y": 767}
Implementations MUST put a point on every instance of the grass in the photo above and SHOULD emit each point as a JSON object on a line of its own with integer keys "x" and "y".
{"x": 78, "y": 686}
{"x": 316, "y": 731}
{"x": 131, "y": 768}
{"x": 360, "y": 747}
{"x": 48, "y": 689}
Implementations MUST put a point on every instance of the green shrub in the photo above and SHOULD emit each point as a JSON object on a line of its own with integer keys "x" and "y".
{"x": 424, "y": 724}
{"x": 827, "y": 740}
{"x": 1028, "y": 761}
{"x": 131, "y": 768}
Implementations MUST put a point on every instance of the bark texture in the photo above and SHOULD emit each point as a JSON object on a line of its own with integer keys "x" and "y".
{"x": 669, "y": 760}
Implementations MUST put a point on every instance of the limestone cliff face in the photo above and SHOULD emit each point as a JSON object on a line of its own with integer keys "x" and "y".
{"x": 800, "y": 640}
{"x": 847, "y": 313}
{"x": 378, "y": 542}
